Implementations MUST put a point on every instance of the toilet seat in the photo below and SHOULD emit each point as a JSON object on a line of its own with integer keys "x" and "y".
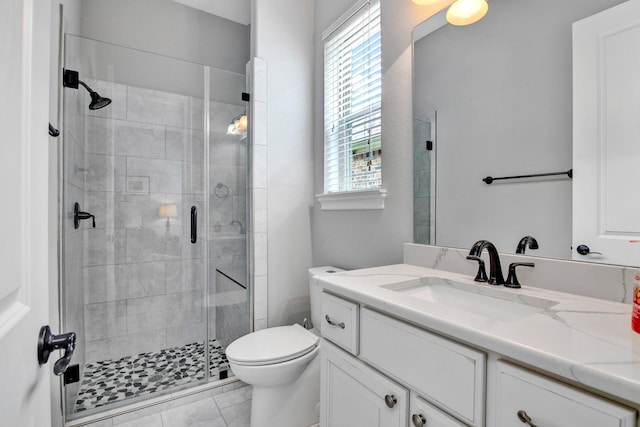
{"x": 272, "y": 345}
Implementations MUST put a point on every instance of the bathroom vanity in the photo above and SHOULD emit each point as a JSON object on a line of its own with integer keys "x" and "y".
{"x": 405, "y": 345}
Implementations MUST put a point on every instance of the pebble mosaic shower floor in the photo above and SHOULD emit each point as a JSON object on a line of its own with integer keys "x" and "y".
{"x": 111, "y": 381}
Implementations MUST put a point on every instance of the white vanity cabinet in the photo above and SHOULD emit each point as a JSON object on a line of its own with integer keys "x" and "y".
{"x": 521, "y": 396}
{"x": 354, "y": 395}
{"x": 399, "y": 374}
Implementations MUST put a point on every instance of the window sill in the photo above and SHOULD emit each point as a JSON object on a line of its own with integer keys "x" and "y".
{"x": 353, "y": 200}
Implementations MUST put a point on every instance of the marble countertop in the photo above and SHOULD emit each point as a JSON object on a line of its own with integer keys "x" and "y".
{"x": 585, "y": 340}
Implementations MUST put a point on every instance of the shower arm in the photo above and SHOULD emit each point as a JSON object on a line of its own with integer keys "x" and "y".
{"x": 86, "y": 87}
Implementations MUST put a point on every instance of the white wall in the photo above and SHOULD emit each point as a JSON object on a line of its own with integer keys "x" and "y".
{"x": 283, "y": 34}
{"x": 168, "y": 28}
{"x": 502, "y": 91}
{"x": 356, "y": 239}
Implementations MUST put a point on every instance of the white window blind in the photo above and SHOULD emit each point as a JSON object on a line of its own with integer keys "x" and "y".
{"x": 352, "y": 102}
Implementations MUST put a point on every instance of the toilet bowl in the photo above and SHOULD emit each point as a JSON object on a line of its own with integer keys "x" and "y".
{"x": 281, "y": 364}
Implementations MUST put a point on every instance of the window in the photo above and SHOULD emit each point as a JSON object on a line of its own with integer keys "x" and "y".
{"x": 352, "y": 101}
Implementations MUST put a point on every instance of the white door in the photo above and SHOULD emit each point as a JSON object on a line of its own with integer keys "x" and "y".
{"x": 606, "y": 135}
{"x": 24, "y": 81}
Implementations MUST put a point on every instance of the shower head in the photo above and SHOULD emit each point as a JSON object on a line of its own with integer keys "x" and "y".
{"x": 97, "y": 101}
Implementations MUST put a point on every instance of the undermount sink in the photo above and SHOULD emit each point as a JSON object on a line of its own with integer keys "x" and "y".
{"x": 476, "y": 298}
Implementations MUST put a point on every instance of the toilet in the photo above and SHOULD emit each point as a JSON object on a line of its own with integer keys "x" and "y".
{"x": 281, "y": 364}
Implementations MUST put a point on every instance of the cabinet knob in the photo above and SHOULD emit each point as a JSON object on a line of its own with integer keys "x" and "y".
{"x": 390, "y": 400}
{"x": 522, "y": 416}
{"x": 418, "y": 420}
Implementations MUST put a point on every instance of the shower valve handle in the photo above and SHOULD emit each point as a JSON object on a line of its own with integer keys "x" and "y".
{"x": 86, "y": 215}
{"x": 78, "y": 216}
{"x": 47, "y": 343}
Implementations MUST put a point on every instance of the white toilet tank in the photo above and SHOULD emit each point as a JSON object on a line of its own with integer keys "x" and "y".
{"x": 314, "y": 290}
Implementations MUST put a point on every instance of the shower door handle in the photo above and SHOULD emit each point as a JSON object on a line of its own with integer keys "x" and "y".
{"x": 194, "y": 224}
{"x": 47, "y": 343}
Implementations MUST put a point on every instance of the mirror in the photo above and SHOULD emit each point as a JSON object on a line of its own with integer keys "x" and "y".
{"x": 502, "y": 90}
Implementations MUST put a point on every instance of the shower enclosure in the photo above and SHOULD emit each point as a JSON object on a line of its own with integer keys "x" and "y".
{"x": 424, "y": 179}
{"x": 154, "y": 272}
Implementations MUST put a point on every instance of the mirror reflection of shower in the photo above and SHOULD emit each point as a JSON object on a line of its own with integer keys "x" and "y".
{"x": 72, "y": 80}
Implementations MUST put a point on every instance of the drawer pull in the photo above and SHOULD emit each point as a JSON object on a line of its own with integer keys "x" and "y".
{"x": 522, "y": 416}
{"x": 332, "y": 323}
{"x": 419, "y": 420}
{"x": 390, "y": 400}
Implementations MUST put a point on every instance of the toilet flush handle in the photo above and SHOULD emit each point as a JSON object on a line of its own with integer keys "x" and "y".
{"x": 332, "y": 323}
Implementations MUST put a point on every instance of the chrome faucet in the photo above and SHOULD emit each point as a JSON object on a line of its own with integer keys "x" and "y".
{"x": 495, "y": 270}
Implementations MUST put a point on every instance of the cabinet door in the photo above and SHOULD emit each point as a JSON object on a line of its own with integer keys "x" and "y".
{"x": 355, "y": 395}
{"x": 549, "y": 403}
{"x": 449, "y": 374}
{"x": 423, "y": 414}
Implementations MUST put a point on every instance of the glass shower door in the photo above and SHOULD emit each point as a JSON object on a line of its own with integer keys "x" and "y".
{"x": 134, "y": 283}
{"x": 228, "y": 228}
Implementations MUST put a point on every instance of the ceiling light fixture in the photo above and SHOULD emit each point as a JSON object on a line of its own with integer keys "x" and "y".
{"x": 465, "y": 12}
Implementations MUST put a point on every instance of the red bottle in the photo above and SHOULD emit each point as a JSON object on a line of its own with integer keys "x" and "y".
{"x": 635, "y": 312}
{"x": 635, "y": 299}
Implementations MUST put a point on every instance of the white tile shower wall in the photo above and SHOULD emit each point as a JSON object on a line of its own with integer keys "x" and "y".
{"x": 161, "y": 108}
{"x": 114, "y": 91}
{"x": 227, "y": 223}
{"x": 257, "y": 69}
{"x": 231, "y": 309}
{"x": 143, "y": 278}
{"x": 609, "y": 282}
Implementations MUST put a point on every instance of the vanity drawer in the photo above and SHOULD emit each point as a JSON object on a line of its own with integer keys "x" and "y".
{"x": 449, "y": 375}
{"x": 430, "y": 416}
{"x": 340, "y": 322}
{"x": 550, "y": 403}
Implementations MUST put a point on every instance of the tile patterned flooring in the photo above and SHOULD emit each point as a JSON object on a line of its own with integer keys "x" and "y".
{"x": 111, "y": 381}
{"x": 215, "y": 408}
